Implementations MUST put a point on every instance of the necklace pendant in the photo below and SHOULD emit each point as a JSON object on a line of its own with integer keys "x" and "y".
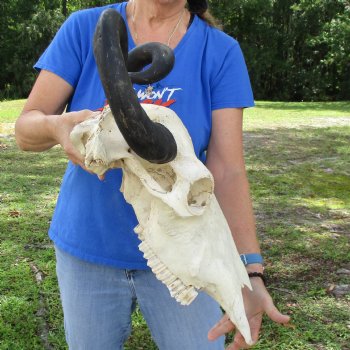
{"x": 149, "y": 91}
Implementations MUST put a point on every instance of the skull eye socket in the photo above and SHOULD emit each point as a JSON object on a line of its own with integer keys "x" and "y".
{"x": 200, "y": 192}
{"x": 164, "y": 175}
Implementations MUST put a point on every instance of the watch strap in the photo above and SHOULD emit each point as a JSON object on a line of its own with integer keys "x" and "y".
{"x": 252, "y": 258}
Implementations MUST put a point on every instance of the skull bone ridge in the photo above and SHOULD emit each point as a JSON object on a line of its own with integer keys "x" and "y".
{"x": 185, "y": 237}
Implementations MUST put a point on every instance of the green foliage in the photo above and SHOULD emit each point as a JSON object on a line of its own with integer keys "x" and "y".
{"x": 75, "y": 5}
{"x": 295, "y": 49}
{"x": 26, "y": 29}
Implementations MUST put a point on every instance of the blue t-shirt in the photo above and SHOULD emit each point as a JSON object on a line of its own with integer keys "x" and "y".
{"x": 92, "y": 221}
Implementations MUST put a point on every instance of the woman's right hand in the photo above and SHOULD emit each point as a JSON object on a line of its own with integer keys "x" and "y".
{"x": 63, "y": 125}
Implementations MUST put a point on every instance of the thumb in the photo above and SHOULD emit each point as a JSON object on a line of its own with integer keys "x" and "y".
{"x": 82, "y": 115}
{"x": 87, "y": 114}
{"x": 272, "y": 312}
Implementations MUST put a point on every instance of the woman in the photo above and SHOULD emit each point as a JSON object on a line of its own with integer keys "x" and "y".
{"x": 100, "y": 270}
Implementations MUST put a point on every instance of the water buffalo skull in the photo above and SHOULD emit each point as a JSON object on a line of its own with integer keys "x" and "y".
{"x": 185, "y": 237}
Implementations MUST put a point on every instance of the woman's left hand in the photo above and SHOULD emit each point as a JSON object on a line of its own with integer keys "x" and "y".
{"x": 256, "y": 303}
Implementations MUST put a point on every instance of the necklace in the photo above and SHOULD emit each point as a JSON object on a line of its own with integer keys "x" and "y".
{"x": 171, "y": 33}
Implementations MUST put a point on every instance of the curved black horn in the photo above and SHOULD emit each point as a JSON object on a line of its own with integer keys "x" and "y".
{"x": 160, "y": 57}
{"x": 149, "y": 140}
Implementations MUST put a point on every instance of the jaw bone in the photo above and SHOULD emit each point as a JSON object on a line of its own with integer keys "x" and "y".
{"x": 185, "y": 237}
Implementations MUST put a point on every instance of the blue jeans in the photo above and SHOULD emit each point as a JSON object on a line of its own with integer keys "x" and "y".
{"x": 98, "y": 302}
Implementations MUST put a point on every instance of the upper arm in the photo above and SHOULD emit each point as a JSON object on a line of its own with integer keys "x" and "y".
{"x": 50, "y": 94}
{"x": 230, "y": 93}
{"x": 225, "y": 149}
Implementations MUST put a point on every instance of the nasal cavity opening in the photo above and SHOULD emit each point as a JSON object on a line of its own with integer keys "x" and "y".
{"x": 200, "y": 192}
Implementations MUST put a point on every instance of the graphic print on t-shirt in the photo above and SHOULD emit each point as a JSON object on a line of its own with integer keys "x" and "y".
{"x": 157, "y": 94}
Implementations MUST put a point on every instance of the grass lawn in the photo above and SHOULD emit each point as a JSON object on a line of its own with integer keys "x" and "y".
{"x": 297, "y": 156}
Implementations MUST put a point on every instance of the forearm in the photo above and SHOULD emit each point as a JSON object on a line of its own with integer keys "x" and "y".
{"x": 232, "y": 192}
{"x": 35, "y": 131}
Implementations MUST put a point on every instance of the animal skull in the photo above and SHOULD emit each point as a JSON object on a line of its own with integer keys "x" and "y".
{"x": 185, "y": 237}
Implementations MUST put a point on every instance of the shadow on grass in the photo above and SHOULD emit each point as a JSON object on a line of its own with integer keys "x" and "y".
{"x": 300, "y": 184}
{"x": 29, "y": 172}
{"x": 28, "y": 188}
